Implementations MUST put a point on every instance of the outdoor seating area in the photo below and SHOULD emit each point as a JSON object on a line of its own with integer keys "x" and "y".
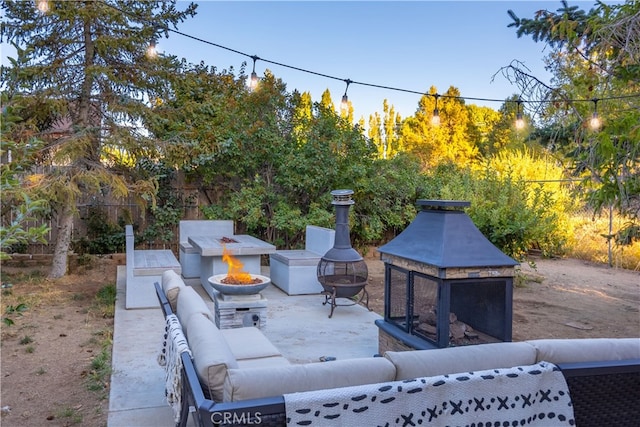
{"x": 298, "y": 324}
{"x": 258, "y": 383}
{"x": 187, "y": 363}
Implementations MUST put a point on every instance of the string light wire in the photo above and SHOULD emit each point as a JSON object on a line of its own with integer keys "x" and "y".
{"x": 519, "y": 101}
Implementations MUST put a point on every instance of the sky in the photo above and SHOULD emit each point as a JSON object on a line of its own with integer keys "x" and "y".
{"x": 410, "y": 45}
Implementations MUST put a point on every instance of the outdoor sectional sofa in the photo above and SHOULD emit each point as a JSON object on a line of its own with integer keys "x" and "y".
{"x": 221, "y": 380}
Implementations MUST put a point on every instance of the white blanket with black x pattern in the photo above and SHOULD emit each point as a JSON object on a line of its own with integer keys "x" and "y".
{"x": 535, "y": 395}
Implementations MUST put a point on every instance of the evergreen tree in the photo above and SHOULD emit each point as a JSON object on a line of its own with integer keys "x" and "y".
{"x": 82, "y": 67}
{"x": 383, "y": 131}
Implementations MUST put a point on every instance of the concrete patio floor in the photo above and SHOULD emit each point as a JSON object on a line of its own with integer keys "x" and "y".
{"x": 298, "y": 325}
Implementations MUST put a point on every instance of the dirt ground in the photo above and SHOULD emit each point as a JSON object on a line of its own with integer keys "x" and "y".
{"x": 47, "y": 353}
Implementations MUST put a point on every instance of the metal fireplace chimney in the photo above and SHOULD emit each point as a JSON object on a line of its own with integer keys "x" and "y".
{"x": 342, "y": 271}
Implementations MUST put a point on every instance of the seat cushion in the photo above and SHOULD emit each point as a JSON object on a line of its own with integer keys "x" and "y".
{"x": 212, "y": 356}
{"x": 263, "y": 362}
{"x": 586, "y": 350}
{"x": 428, "y": 363}
{"x": 249, "y": 343}
{"x": 251, "y": 383}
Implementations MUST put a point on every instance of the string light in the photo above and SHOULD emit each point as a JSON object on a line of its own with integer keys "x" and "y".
{"x": 595, "y": 119}
{"x": 42, "y": 5}
{"x": 152, "y": 50}
{"x": 253, "y": 80}
{"x": 344, "y": 105}
{"x": 435, "y": 119}
{"x": 520, "y": 123}
{"x": 519, "y": 120}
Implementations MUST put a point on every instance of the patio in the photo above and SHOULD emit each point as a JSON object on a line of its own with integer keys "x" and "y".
{"x": 298, "y": 325}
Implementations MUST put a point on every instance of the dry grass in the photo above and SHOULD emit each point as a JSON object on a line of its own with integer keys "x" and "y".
{"x": 589, "y": 243}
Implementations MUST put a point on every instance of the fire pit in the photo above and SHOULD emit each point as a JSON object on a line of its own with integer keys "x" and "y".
{"x": 238, "y": 302}
{"x": 258, "y": 284}
{"x": 342, "y": 272}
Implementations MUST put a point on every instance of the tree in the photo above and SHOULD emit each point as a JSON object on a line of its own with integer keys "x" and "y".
{"x": 383, "y": 131}
{"x": 482, "y": 121}
{"x": 446, "y": 142}
{"x": 82, "y": 67}
{"x": 595, "y": 57}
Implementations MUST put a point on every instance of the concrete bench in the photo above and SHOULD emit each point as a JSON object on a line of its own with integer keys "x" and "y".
{"x": 190, "y": 256}
{"x": 295, "y": 271}
{"x": 144, "y": 267}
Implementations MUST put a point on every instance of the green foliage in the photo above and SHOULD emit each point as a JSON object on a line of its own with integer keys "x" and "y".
{"x": 165, "y": 215}
{"x": 105, "y": 301}
{"x": 12, "y": 310}
{"x": 26, "y": 340}
{"x": 98, "y": 377}
{"x": 18, "y": 206}
{"x": 513, "y": 214}
{"x": 103, "y": 236}
{"x": 386, "y": 199}
{"x": 71, "y": 415}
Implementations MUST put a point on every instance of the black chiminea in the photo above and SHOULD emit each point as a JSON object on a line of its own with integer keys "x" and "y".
{"x": 446, "y": 284}
{"x": 342, "y": 272}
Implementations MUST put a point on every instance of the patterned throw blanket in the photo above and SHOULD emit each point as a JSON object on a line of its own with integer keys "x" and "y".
{"x": 173, "y": 345}
{"x": 535, "y": 395}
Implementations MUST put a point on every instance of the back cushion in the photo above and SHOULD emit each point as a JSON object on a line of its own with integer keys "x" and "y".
{"x": 190, "y": 303}
{"x": 211, "y": 355}
{"x": 171, "y": 285}
{"x": 427, "y": 363}
{"x": 586, "y": 350}
{"x": 253, "y": 383}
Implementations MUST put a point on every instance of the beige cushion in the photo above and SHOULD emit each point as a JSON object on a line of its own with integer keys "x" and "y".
{"x": 211, "y": 355}
{"x": 249, "y": 343}
{"x": 171, "y": 285}
{"x": 427, "y": 363}
{"x": 190, "y": 303}
{"x": 274, "y": 381}
{"x": 168, "y": 275}
{"x": 263, "y": 362}
{"x": 586, "y": 350}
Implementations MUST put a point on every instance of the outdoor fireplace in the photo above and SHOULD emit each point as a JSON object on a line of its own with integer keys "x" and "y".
{"x": 445, "y": 283}
{"x": 342, "y": 272}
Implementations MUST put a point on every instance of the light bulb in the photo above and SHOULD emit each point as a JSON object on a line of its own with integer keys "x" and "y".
{"x": 519, "y": 121}
{"x": 152, "y": 51}
{"x": 435, "y": 120}
{"x": 344, "y": 105}
{"x": 595, "y": 122}
{"x": 253, "y": 80}
{"x": 42, "y": 5}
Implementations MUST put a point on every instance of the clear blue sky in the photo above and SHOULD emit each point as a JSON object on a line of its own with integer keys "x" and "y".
{"x": 410, "y": 45}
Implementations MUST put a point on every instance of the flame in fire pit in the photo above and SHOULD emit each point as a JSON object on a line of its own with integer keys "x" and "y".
{"x": 235, "y": 274}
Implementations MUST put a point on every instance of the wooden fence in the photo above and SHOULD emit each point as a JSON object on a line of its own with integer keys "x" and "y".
{"x": 126, "y": 212}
